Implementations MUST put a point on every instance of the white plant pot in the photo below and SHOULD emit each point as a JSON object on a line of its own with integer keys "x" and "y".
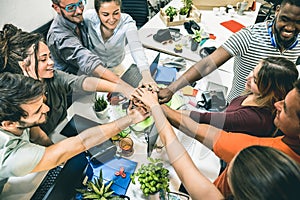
{"x": 102, "y": 114}
{"x": 182, "y": 17}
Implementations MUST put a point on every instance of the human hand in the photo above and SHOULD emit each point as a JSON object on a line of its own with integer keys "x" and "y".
{"x": 148, "y": 82}
{"x": 137, "y": 114}
{"x": 146, "y": 96}
{"x": 165, "y": 95}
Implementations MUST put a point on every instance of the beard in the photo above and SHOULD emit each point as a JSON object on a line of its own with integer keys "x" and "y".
{"x": 24, "y": 125}
{"x": 282, "y": 42}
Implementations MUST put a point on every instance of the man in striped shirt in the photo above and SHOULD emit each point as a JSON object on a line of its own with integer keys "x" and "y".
{"x": 278, "y": 37}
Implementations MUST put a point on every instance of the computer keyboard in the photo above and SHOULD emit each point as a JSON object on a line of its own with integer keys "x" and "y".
{"x": 132, "y": 76}
{"x": 47, "y": 183}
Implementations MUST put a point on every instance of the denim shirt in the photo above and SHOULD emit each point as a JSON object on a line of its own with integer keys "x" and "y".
{"x": 69, "y": 52}
{"x": 112, "y": 51}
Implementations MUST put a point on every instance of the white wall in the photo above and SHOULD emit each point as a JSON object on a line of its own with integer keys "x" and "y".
{"x": 28, "y": 14}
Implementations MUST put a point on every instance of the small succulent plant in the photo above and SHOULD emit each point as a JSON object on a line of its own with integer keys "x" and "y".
{"x": 100, "y": 103}
{"x": 97, "y": 189}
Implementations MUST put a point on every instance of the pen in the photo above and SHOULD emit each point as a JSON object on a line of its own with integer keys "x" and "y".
{"x": 149, "y": 35}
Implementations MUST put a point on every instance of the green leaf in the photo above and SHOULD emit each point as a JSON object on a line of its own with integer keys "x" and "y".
{"x": 108, "y": 194}
{"x": 96, "y": 189}
{"x": 108, "y": 186}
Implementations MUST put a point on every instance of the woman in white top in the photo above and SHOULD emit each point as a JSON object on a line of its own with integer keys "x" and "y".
{"x": 109, "y": 30}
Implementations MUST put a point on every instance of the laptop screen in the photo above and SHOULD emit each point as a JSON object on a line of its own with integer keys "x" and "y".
{"x": 151, "y": 138}
{"x": 154, "y": 64}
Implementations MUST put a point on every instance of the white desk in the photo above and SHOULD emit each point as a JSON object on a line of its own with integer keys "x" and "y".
{"x": 211, "y": 24}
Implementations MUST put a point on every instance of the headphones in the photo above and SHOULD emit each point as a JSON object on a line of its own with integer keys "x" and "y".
{"x": 273, "y": 40}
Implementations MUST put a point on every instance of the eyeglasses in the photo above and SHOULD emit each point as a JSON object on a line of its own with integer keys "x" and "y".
{"x": 73, "y": 6}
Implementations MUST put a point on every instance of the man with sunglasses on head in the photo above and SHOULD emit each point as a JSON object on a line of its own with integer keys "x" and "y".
{"x": 68, "y": 42}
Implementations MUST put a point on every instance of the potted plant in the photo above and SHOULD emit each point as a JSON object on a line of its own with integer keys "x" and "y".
{"x": 153, "y": 178}
{"x": 188, "y": 4}
{"x": 98, "y": 190}
{"x": 196, "y": 39}
{"x": 183, "y": 12}
{"x": 100, "y": 107}
{"x": 171, "y": 12}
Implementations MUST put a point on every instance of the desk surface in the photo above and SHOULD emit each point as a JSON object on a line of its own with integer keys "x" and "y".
{"x": 22, "y": 188}
{"x": 209, "y": 22}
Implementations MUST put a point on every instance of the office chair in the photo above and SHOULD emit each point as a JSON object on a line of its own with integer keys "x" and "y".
{"x": 267, "y": 10}
{"x": 137, "y": 9}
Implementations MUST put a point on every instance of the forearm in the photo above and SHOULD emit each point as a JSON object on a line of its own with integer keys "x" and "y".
{"x": 197, "y": 184}
{"x": 67, "y": 148}
{"x": 105, "y": 74}
{"x": 174, "y": 148}
{"x": 203, "y": 133}
{"x": 94, "y": 84}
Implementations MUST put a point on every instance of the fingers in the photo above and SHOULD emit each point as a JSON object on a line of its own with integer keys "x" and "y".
{"x": 152, "y": 86}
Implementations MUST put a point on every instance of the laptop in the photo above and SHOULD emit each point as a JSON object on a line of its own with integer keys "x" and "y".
{"x": 151, "y": 138}
{"x": 162, "y": 75}
{"x": 132, "y": 76}
{"x": 60, "y": 183}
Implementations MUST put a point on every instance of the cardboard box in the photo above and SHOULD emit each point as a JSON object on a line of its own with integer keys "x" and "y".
{"x": 209, "y": 4}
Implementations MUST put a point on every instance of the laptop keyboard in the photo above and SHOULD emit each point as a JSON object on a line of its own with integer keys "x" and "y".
{"x": 132, "y": 76}
{"x": 47, "y": 183}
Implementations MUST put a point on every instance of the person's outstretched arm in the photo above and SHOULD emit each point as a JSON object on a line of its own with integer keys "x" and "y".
{"x": 198, "y": 186}
{"x": 93, "y": 84}
{"x": 195, "y": 73}
{"x": 67, "y": 148}
{"x": 206, "y": 134}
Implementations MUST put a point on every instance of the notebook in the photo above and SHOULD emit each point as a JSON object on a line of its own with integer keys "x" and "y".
{"x": 120, "y": 184}
{"x": 232, "y": 25}
{"x": 161, "y": 74}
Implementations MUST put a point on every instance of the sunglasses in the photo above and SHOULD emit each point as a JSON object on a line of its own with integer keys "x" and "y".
{"x": 167, "y": 41}
{"x": 73, "y": 6}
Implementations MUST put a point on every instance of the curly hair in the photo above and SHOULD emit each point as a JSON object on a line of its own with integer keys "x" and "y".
{"x": 14, "y": 45}
{"x": 15, "y": 90}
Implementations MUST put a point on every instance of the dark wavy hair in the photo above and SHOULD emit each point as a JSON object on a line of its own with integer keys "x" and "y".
{"x": 14, "y": 45}
{"x": 15, "y": 90}
{"x": 260, "y": 172}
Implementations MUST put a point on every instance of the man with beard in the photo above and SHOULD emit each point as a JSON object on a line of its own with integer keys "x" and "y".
{"x": 278, "y": 37}
{"x": 68, "y": 42}
{"x": 23, "y": 151}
